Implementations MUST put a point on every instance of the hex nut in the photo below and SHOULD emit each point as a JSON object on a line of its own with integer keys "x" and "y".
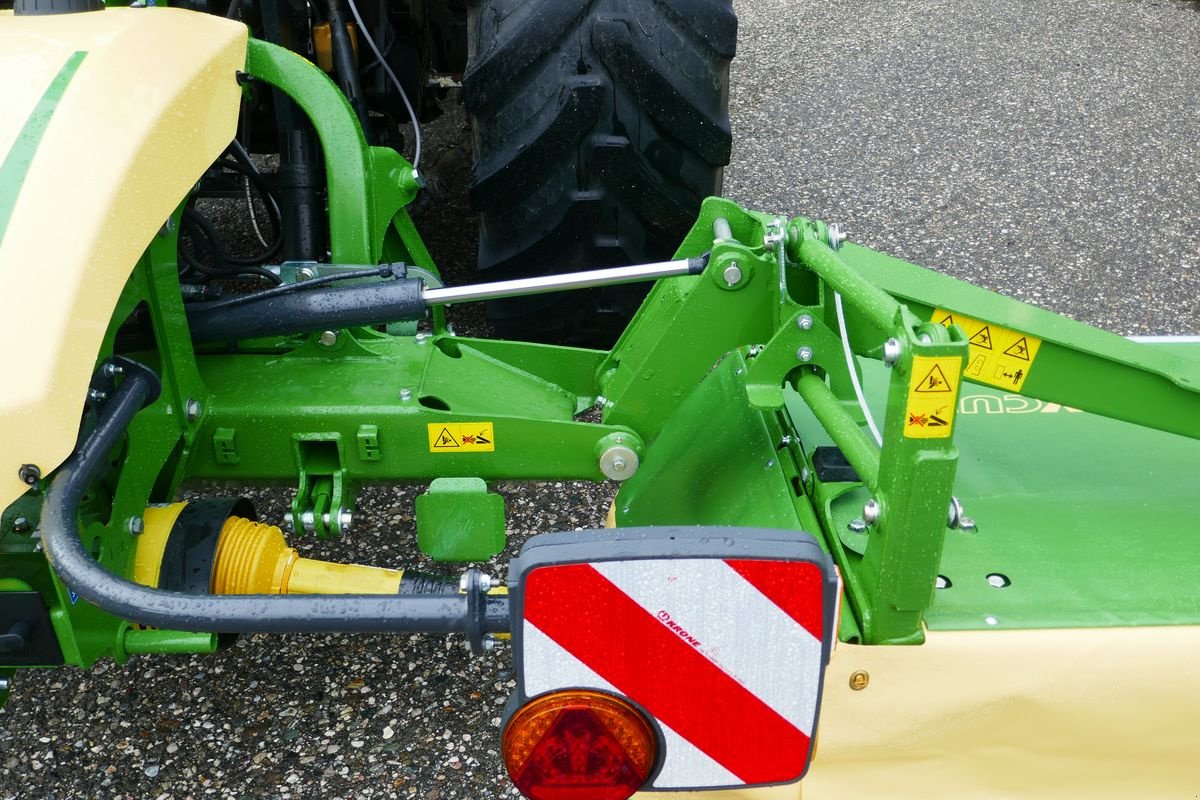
{"x": 619, "y": 462}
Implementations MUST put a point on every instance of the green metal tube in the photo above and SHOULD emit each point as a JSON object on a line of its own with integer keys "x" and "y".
{"x": 877, "y": 305}
{"x": 143, "y": 642}
{"x": 347, "y": 159}
{"x": 859, "y": 449}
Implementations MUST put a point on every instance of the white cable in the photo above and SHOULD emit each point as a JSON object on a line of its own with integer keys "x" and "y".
{"x": 253, "y": 219}
{"x": 387, "y": 68}
{"x": 853, "y": 367}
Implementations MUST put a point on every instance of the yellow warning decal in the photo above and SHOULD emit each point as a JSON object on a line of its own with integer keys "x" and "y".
{"x": 932, "y": 397}
{"x": 461, "y": 437}
{"x": 999, "y": 356}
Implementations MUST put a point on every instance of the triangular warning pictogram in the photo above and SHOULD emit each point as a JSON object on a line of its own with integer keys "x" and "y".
{"x": 445, "y": 439}
{"x": 983, "y": 338}
{"x": 934, "y": 382}
{"x": 947, "y": 320}
{"x": 1018, "y": 349}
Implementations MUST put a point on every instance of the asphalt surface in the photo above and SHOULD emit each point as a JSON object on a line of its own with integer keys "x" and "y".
{"x": 1050, "y": 151}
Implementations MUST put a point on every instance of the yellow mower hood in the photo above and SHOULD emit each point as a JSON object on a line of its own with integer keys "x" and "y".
{"x": 109, "y": 117}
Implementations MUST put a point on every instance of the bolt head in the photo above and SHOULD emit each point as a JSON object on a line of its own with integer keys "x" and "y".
{"x": 891, "y": 352}
{"x": 804, "y": 354}
{"x": 804, "y": 322}
{"x": 29, "y": 474}
{"x": 306, "y": 274}
{"x": 21, "y": 525}
{"x": 619, "y": 462}
{"x": 406, "y": 394}
{"x": 192, "y": 409}
{"x": 966, "y": 524}
{"x": 954, "y": 513}
{"x": 345, "y": 519}
{"x": 328, "y": 338}
{"x": 859, "y": 680}
{"x": 421, "y": 338}
{"x": 112, "y": 370}
{"x": 136, "y": 526}
{"x": 836, "y": 235}
{"x": 96, "y": 396}
{"x": 732, "y": 274}
{"x": 871, "y": 511}
{"x": 857, "y": 525}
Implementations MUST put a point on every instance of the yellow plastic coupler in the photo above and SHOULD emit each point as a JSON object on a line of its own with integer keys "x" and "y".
{"x": 253, "y": 558}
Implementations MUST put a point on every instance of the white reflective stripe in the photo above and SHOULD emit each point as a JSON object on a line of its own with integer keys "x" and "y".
{"x": 1167, "y": 339}
{"x": 738, "y": 628}
{"x": 547, "y": 667}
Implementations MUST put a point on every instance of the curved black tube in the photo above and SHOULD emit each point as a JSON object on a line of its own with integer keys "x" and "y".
{"x": 227, "y": 613}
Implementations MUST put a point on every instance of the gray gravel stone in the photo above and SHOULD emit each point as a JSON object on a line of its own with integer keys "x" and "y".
{"x": 1047, "y": 150}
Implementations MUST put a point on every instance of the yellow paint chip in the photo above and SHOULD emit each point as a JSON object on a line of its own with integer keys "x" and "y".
{"x": 999, "y": 356}
{"x": 461, "y": 437}
{"x": 932, "y": 397}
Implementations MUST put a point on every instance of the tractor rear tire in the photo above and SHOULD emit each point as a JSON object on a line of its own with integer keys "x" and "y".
{"x": 598, "y": 128}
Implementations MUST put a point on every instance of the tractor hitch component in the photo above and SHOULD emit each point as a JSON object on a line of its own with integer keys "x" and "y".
{"x": 475, "y": 613}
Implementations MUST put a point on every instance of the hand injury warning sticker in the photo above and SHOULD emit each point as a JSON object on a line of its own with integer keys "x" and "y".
{"x": 461, "y": 437}
{"x": 932, "y": 397}
{"x": 999, "y": 356}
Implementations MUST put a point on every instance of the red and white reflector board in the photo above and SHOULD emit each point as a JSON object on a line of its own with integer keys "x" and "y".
{"x": 726, "y": 655}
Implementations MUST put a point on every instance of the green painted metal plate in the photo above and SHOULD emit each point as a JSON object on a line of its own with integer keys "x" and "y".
{"x": 1090, "y": 521}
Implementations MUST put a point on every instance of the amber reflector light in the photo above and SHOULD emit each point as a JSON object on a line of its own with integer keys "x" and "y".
{"x": 578, "y": 745}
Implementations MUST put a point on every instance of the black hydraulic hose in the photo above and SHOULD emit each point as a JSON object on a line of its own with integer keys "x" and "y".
{"x": 346, "y": 65}
{"x": 374, "y": 272}
{"x": 316, "y": 309}
{"x": 472, "y": 613}
{"x": 242, "y": 164}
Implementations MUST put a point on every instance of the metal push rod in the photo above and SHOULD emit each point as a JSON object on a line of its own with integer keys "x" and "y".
{"x": 473, "y": 612}
{"x": 557, "y": 283}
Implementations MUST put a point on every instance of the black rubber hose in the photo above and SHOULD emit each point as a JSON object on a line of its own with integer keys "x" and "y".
{"x": 227, "y": 613}
{"x": 288, "y": 288}
{"x": 242, "y": 165}
{"x": 346, "y": 66}
{"x": 321, "y": 309}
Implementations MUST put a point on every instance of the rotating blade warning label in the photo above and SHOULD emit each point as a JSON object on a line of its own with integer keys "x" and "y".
{"x": 461, "y": 437}
{"x": 932, "y": 397}
{"x": 999, "y": 356}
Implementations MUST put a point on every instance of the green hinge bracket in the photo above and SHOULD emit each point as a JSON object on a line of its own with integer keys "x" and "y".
{"x": 459, "y": 520}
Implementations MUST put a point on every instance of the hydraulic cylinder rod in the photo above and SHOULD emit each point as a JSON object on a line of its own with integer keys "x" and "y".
{"x": 296, "y": 309}
{"x": 557, "y": 283}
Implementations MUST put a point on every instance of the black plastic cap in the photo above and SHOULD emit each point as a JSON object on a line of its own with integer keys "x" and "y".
{"x": 33, "y": 7}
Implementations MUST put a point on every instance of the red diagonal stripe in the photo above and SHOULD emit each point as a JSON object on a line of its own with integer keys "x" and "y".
{"x": 796, "y": 587}
{"x": 622, "y": 642}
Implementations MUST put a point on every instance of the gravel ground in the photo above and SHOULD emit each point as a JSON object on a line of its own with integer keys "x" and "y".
{"x": 1047, "y": 150}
